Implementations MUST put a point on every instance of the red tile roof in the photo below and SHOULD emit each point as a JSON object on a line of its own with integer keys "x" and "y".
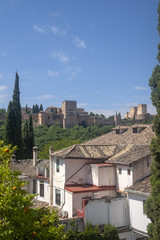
{"x": 79, "y": 188}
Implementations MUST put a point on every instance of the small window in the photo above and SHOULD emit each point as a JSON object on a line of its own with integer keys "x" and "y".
{"x": 41, "y": 189}
{"x": 147, "y": 163}
{"x": 135, "y": 130}
{"x": 129, "y": 172}
{"x": 58, "y": 197}
{"x": 57, "y": 165}
{"x": 144, "y": 212}
{"x": 34, "y": 186}
{"x": 117, "y": 131}
{"x": 120, "y": 170}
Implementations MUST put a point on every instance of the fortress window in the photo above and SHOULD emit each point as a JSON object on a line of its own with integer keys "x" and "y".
{"x": 48, "y": 117}
{"x": 128, "y": 172}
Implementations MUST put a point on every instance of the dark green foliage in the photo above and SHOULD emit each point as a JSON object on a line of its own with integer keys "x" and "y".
{"x": 154, "y": 83}
{"x": 91, "y": 232}
{"x": 152, "y": 205}
{"x": 110, "y": 232}
{"x": 58, "y": 137}
{"x": 102, "y": 115}
{"x": 41, "y": 108}
{"x": 94, "y": 233}
{"x": 91, "y": 114}
{"x": 28, "y": 138}
{"x": 2, "y": 111}
{"x": 37, "y": 109}
{"x": 13, "y": 132}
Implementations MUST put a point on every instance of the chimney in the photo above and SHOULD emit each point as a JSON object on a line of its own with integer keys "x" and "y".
{"x": 35, "y": 154}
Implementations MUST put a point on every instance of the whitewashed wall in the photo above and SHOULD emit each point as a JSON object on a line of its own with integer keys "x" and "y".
{"x": 100, "y": 211}
{"x": 46, "y": 197}
{"x": 141, "y": 169}
{"x": 138, "y": 219}
{"x": 74, "y": 165}
{"x": 124, "y": 180}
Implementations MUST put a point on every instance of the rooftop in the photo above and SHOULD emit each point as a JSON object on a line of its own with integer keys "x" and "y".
{"x": 141, "y": 186}
{"x": 79, "y": 188}
{"x": 27, "y": 168}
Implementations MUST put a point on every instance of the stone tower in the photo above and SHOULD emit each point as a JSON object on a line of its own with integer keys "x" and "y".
{"x": 69, "y": 112}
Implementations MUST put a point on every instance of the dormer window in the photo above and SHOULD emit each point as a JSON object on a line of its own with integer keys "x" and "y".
{"x": 117, "y": 131}
{"x": 135, "y": 130}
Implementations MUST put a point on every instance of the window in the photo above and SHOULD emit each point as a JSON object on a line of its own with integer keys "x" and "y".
{"x": 117, "y": 131}
{"x": 58, "y": 197}
{"x": 143, "y": 207}
{"x": 120, "y": 170}
{"x": 41, "y": 189}
{"x": 129, "y": 172}
{"x": 135, "y": 130}
{"x": 34, "y": 186}
{"x": 57, "y": 165}
{"x": 147, "y": 163}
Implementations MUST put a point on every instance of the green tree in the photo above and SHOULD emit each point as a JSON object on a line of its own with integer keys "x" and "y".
{"x": 26, "y": 142}
{"x": 28, "y": 139}
{"x": 41, "y": 108}
{"x": 110, "y": 232}
{"x": 152, "y": 205}
{"x": 2, "y": 111}
{"x": 13, "y": 132}
{"x": 18, "y": 220}
{"x": 91, "y": 114}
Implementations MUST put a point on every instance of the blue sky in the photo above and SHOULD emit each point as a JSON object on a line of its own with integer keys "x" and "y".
{"x": 98, "y": 52}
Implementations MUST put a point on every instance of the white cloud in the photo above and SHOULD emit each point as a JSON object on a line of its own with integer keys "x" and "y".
{"x": 79, "y": 43}
{"x": 53, "y": 74}
{"x": 2, "y": 87}
{"x": 38, "y": 29}
{"x": 47, "y": 96}
{"x": 141, "y": 88}
{"x": 61, "y": 57}
{"x": 57, "y": 31}
{"x": 73, "y": 71}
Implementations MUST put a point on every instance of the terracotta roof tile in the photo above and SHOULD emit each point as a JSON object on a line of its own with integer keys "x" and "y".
{"x": 142, "y": 186}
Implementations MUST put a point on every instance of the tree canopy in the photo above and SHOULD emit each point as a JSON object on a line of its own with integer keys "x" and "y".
{"x": 152, "y": 205}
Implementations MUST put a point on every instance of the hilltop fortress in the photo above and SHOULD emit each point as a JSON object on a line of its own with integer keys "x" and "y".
{"x": 69, "y": 115}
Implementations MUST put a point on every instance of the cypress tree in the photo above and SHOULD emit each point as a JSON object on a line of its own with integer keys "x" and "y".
{"x": 13, "y": 132}
{"x": 152, "y": 205}
{"x": 25, "y": 140}
{"x": 41, "y": 108}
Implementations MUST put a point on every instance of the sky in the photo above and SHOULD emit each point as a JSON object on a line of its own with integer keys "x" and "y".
{"x": 100, "y": 53}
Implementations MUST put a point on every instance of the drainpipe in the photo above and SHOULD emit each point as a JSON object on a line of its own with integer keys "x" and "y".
{"x": 51, "y": 175}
